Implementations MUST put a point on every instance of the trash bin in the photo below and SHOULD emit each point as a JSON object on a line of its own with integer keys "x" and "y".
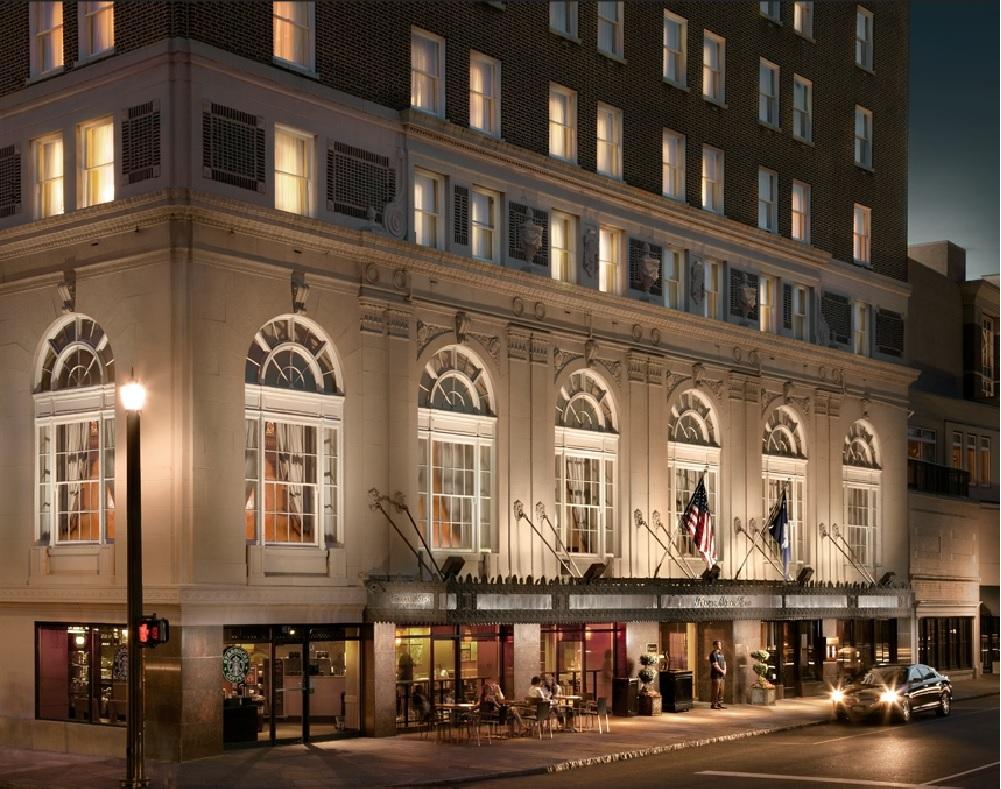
{"x": 676, "y": 688}
{"x": 624, "y": 693}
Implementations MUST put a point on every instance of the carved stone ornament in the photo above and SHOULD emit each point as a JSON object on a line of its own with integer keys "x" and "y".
{"x": 637, "y": 332}
{"x": 371, "y": 273}
{"x": 373, "y": 318}
{"x": 393, "y": 220}
{"x": 698, "y": 373}
{"x": 540, "y": 310}
{"x": 488, "y": 341}
{"x": 655, "y": 336}
{"x": 401, "y": 279}
{"x": 614, "y": 368}
{"x": 823, "y": 332}
{"x": 747, "y": 296}
{"x": 517, "y": 306}
{"x": 673, "y": 380}
{"x": 67, "y": 290}
{"x": 461, "y": 326}
{"x": 428, "y": 333}
{"x": 590, "y": 349}
{"x": 398, "y": 323}
{"x": 300, "y": 292}
{"x": 649, "y": 269}
{"x": 696, "y": 281}
{"x": 591, "y": 251}
{"x": 530, "y": 236}
{"x": 562, "y": 358}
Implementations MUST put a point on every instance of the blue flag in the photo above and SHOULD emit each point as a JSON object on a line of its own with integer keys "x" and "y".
{"x": 779, "y": 529}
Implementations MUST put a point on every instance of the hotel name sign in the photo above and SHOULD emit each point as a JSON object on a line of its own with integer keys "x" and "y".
{"x": 721, "y": 601}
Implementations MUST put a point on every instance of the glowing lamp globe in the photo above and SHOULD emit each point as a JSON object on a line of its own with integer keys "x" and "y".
{"x": 133, "y": 396}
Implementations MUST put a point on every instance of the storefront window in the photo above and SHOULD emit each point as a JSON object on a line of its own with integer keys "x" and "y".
{"x": 82, "y": 673}
{"x": 581, "y": 657}
{"x": 944, "y": 642}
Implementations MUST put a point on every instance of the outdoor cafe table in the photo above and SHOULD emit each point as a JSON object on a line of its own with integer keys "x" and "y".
{"x": 455, "y": 709}
{"x": 567, "y": 702}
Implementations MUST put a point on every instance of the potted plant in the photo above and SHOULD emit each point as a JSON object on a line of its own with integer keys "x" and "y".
{"x": 649, "y": 702}
{"x": 762, "y": 691}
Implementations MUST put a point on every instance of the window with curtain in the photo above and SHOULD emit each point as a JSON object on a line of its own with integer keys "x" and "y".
{"x": 585, "y": 472}
{"x": 861, "y": 218}
{"x": 860, "y": 328}
{"x": 609, "y": 141}
{"x": 693, "y": 453}
{"x": 484, "y": 94}
{"x": 672, "y": 266}
{"x": 766, "y": 303}
{"x": 562, "y": 123}
{"x": 768, "y": 93}
{"x": 293, "y": 484}
{"x": 713, "y": 283}
{"x": 987, "y": 355}
{"x": 768, "y": 188}
{"x": 427, "y": 208}
{"x": 46, "y": 21}
{"x": 802, "y": 112}
{"x": 610, "y": 24}
{"x": 96, "y": 20}
{"x": 562, "y": 245}
{"x": 675, "y": 49}
{"x": 772, "y": 485}
{"x": 609, "y": 252}
{"x": 713, "y": 67}
{"x": 293, "y": 171}
{"x": 712, "y": 179}
{"x": 455, "y": 453}
{"x": 800, "y": 312}
{"x": 673, "y": 163}
{"x": 48, "y": 158}
{"x": 784, "y": 467}
{"x": 563, "y": 17}
{"x": 97, "y": 162}
{"x": 863, "y": 137}
{"x": 863, "y": 38}
{"x": 801, "y": 212}
{"x": 427, "y": 72}
{"x": 802, "y": 18}
{"x": 75, "y": 436}
{"x": 862, "y": 479}
{"x": 484, "y": 220}
{"x": 922, "y": 444}
{"x": 861, "y": 521}
{"x": 292, "y": 26}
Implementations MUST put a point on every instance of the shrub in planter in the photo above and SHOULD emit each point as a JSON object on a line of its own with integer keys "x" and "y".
{"x": 761, "y": 667}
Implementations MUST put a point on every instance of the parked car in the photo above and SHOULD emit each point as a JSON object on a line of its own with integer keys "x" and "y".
{"x": 894, "y": 691}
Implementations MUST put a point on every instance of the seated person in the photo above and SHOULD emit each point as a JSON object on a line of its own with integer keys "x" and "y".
{"x": 421, "y": 705}
{"x": 537, "y": 691}
{"x": 491, "y": 694}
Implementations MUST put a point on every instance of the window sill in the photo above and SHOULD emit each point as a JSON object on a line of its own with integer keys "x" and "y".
{"x": 429, "y": 113}
{"x": 44, "y": 75}
{"x": 86, "y": 61}
{"x": 610, "y": 175}
{"x": 678, "y": 85}
{"x": 565, "y": 36}
{"x": 612, "y": 56}
{"x": 713, "y": 211}
{"x": 563, "y": 159}
{"x": 866, "y": 69}
{"x": 805, "y": 36}
{"x": 805, "y": 141}
{"x": 769, "y": 127}
{"x": 714, "y": 102}
{"x": 298, "y": 68}
{"x": 673, "y": 198}
{"x": 864, "y": 167}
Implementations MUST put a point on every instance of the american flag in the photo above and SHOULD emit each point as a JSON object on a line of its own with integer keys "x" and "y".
{"x": 699, "y": 521}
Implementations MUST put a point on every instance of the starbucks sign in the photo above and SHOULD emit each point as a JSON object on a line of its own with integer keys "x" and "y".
{"x": 235, "y": 664}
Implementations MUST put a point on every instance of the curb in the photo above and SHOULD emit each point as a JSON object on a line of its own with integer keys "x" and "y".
{"x": 611, "y": 758}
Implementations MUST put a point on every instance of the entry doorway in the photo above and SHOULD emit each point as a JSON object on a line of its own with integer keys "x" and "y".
{"x": 795, "y": 656}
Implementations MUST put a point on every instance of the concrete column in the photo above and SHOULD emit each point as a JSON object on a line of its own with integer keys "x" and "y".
{"x": 515, "y": 552}
{"x": 746, "y": 639}
{"x": 638, "y": 636}
{"x": 380, "y": 681}
{"x": 527, "y": 646}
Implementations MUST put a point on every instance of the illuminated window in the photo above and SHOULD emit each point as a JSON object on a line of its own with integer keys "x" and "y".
{"x": 562, "y": 245}
{"x": 800, "y": 312}
{"x": 987, "y": 341}
{"x": 802, "y": 19}
{"x": 97, "y": 27}
{"x": 293, "y": 25}
{"x": 671, "y": 278}
{"x": 712, "y": 179}
{"x": 563, "y": 18}
{"x": 428, "y": 188}
{"x": 801, "y": 211}
{"x": 770, "y": 9}
{"x": 766, "y": 303}
{"x": 713, "y": 284}
{"x": 675, "y": 49}
{"x": 609, "y": 141}
{"x": 484, "y": 94}
{"x": 673, "y": 163}
{"x": 860, "y": 328}
{"x": 427, "y": 72}
{"x": 293, "y": 171}
{"x": 768, "y": 93}
{"x": 984, "y": 460}
{"x": 610, "y": 25}
{"x": 484, "y": 219}
{"x": 768, "y": 209}
{"x": 862, "y": 217}
{"x": 863, "y": 137}
{"x": 97, "y": 158}
{"x": 48, "y": 158}
{"x": 802, "y": 113}
{"x": 562, "y": 123}
{"x": 714, "y": 67}
{"x": 693, "y": 452}
{"x": 863, "y": 38}
{"x": 609, "y": 253}
{"x": 921, "y": 444}
{"x": 46, "y": 21}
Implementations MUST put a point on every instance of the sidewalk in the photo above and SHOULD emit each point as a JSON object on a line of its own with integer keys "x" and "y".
{"x": 409, "y": 760}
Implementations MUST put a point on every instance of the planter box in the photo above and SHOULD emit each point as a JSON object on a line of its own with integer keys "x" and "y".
{"x": 763, "y": 696}
{"x": 650, "y": 705}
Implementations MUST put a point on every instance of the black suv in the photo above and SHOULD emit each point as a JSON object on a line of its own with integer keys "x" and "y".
{"x": 894, "y": 691}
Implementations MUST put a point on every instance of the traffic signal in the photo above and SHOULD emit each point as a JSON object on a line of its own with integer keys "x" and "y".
{"x": 153, "y": 631}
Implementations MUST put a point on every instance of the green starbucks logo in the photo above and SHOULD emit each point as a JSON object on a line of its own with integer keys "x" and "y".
{"x": 235, "y": 664}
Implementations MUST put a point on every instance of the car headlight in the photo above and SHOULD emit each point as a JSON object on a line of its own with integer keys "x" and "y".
{"x": 889, "y": 697}
{"x": 837, "y": 696}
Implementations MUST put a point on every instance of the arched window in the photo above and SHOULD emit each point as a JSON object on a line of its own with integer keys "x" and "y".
{"x": 294, "y": 436}
{"x": 783, "y": 469}
{"x": 75, "y": 435}
{"x": 587, "y": 446}
{"x": 862, "y": 476}
{"x": 693, "y": 453}
{"x": 455, "y": 445}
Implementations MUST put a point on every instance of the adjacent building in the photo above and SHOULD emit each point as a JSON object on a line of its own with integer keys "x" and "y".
{"x": 380, "y": 261}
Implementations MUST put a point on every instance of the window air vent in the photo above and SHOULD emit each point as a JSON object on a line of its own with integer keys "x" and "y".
{"x": 837, "y": 314}
{"x": 646, "y": 267}
{"x": 523, "y": 242}
{"x": 889, "y": 333}
{"x": 10, "y": 181}
{"x": 358, "y": 180}
{"x": 460, "y": 214}
{"x": 233, "y": 147}
{"x": 787, "y": 307}
{"x": 743, "y": 295}
{"x": 141, "y": 142}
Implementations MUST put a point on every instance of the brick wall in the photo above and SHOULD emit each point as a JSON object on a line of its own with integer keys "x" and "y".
{"x": 363, "y": 49}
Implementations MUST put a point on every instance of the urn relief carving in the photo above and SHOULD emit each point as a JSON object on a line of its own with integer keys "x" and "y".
{"x": 530, "y": 235}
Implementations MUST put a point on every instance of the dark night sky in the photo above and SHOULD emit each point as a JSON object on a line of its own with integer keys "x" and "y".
{"x": 954, "y": 130}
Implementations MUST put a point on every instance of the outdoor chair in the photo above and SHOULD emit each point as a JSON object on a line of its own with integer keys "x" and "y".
{"x": 541, "y": 717}
{"x": 594, "y": 711}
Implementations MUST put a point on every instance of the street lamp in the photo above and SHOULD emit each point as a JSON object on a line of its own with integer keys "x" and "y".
{"x": 133, "y": 396}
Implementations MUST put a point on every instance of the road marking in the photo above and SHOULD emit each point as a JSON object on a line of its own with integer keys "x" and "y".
{"x": 965, "y": 772}
{"x": 914, "y": 724}
{"x": 820, "y": 779}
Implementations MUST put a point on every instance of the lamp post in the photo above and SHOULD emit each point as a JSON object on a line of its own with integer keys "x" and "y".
{"x": 133, "y": 396}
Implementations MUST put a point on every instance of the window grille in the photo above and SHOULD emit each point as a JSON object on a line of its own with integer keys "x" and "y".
{"x": 10, "y": 180}
{"x": 358, "y": 180}
{"x": 233, "y": 147}
{"x": 140, "y": 127}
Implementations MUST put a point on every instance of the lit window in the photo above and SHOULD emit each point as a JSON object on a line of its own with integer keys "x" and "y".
{"x": 861, "y": 521}
{"x": 673, "y": 261}
{"x": 427, "y": 209}
{"x": 484, "y": 216}
{"x": 766, "y": 303}
{"x": 713, "y": 282}
{"x": 772, "y": 486}
{"x": 987, "y": 356}
{"x": 292, "y": 24}
{"x": 609, "y": 251}
{"x": 863, "y": 38}
{"x": 802, "y": 18}
{"x": 768, "y": 188}
{"x": 97, "y": 159}
{"x": 563, "y": 18}
{"x": 712, "y": 179}
{"x": 860, "y": 328}
{"x": 97, "y": 27}
{"x": 801, "y": 212}
{"x": 609, "y": 141}
{"x": 610, "y": 28}
{"x": 768, "y": 93}
{"x": 956, "y": 456}
{"x": 770, "y": 9}
{"x": 48, "y": 157}
{"x": 484, "y": 94}
{"x": 921, "y": 444}
{"x": 984, "y": 450}
{"x": 562, "y": 123}
{"x": 455, "y": 447}
{"x": 293, "y": 171}
{"x": 800, "y": 312}
{"x": 427, "y": 72}
{"x": 861, "y": 231}
{"x": 714, "y": 67}
{"x": 46, "y": 21}
{"x": 293, "y": 424}
{"x": 693, "y": 453}
{"x": 675, "y": 49}
{"x": 863, "y": 137}
{"x": 562, "y": 237}
{"x": 802, "y": 113}
{"x": 673, "y": 153}
{"x": 970, "y": 459}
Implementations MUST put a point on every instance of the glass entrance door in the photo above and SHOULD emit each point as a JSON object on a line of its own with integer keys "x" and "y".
{"x": 334, "y": 688}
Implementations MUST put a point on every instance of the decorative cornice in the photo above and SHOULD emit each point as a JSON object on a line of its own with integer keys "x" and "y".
{"x": 491, "y": 342}
{"x": 562, "y": 358}
{"x": 427, "y": 333}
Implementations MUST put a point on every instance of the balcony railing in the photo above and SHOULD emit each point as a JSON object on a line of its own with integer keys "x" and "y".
{"x": 932, "y": 478}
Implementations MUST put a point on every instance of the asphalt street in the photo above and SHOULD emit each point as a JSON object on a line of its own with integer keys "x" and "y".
{"x": 961, "y": 750}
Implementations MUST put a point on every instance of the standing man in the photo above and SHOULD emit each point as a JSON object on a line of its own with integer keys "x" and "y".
{"x": 717, "y": 672}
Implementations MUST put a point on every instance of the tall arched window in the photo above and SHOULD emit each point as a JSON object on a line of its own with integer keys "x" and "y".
{"x": 75, "y": 435}
{"x": 692, "y": 452}
{"x": 587, "y": 446}
{"x": 294, "y": 436}
{"x": 456, "y": 427}
{"x": 862, "y": 472}
{"x": 783, "y": 467}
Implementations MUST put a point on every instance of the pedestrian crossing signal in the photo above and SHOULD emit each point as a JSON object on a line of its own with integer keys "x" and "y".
{"x": 153, "y": 631}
